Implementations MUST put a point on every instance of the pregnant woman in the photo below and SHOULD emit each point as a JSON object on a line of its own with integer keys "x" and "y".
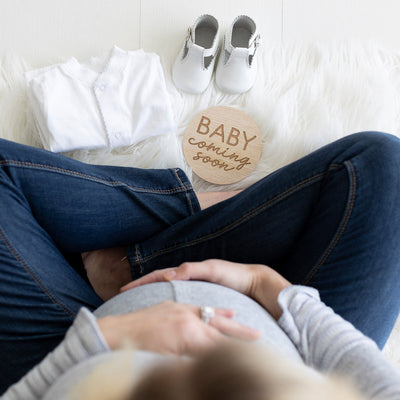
{"x": 329, "y": 224}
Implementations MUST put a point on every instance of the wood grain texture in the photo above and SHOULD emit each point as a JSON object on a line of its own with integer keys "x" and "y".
{"x": 222, "y": 145}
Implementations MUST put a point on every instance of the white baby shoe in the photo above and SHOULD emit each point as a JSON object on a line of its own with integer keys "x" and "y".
{"x": 194, "y": 65}
{"x": 237, "y": 64}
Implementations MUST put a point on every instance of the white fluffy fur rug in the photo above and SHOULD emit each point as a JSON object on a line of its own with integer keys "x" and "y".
{"x": 305, "y": 96}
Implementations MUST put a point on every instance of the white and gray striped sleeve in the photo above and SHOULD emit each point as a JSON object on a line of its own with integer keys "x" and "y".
{"x": 330, "y": 344}
{"x": 82, "y": 341}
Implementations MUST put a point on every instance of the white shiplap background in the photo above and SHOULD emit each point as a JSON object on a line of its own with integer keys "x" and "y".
{"x": 43, "y": 30}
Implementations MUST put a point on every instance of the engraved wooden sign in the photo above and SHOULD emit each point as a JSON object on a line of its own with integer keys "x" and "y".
{"x": 222, "y": 145}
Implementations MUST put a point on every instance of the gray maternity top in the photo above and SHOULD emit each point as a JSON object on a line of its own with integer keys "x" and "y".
{"x": 307, "y": 332}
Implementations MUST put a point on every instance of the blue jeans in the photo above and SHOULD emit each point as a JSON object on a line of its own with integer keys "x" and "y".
{"x": 330, "y": 220}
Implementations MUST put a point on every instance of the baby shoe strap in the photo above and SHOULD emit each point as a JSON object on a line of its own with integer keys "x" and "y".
{"x": 254, "y": 43}
{"x": 190, "y": 42}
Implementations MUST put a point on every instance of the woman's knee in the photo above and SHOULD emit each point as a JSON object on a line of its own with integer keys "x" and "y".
{"x": 380, "y": 152}
{"x": 382, "y": 145}
{"x": 9, "y": 149}
{"x": 377, "y": 168}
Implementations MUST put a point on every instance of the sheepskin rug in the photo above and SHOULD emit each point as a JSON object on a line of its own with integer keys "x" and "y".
{"x": 305, "y": 96}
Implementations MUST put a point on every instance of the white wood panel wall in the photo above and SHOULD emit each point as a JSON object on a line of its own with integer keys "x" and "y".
{"x": 43, "y": 30}
{"x": 165, "y": 23}
{"x": 311, "y": 20}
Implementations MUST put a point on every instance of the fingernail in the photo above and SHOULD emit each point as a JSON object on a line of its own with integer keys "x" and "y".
{"x": 256, "y": 333}
{"x": 169, "y": 275}
{"x": 123, "y": 288}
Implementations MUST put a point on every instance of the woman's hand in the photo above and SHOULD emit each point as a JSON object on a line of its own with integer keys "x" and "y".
{"x": 239, "y": 277}
{"x": 172, "y": 328}
{"x": 259, "y": 282}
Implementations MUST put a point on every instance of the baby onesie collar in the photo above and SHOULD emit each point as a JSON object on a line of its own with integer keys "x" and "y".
{"x": 113, "y": 64}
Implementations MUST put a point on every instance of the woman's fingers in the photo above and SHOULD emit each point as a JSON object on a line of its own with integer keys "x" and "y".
{"x": 223, "y": 322}
{"x": 236, "y": 276}
{"x": 232, "y": 328}
{"x": 185, "y": 271}
{"x": 222, "y": 312}
{"x": 155, "y": 276}
{"x": 219, "y": 328}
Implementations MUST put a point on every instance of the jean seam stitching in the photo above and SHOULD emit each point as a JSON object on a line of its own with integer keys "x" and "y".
{"x": 89, "y": 177}
{"x": 342, "y": 226}
{"x": 138, "y": 260}
{"x": 186, "y": 192}
{"x": 33, "y": 275}
{"x": 245, "y": 217}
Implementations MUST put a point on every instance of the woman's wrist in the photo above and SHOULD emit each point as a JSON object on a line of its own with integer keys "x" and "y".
{"x": 266, "y": 288}
{"x": 112, "y": 329}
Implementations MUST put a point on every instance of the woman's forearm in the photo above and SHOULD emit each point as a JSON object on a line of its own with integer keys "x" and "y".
{"x": 330, "y": 344}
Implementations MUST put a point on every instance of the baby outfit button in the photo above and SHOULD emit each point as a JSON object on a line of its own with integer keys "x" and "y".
{"x": 101, "y": 87}
{"x": 117, "y": 135}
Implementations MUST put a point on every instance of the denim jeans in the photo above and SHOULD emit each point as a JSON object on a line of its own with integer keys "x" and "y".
{"x": 331, "y": 220}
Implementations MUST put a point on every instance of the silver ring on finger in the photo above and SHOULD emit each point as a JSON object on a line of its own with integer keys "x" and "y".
{"x": 207, "y": 313}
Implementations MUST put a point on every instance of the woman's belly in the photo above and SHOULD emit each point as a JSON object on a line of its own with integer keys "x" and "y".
{"x": 248, "y": 312}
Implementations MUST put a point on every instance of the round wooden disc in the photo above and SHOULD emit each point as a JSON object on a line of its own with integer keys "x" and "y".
{"x": 222, "y": 145}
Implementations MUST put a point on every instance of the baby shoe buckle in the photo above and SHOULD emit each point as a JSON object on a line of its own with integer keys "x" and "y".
{"x": 189, "y": 36}
{"x": 255, "y": 43}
